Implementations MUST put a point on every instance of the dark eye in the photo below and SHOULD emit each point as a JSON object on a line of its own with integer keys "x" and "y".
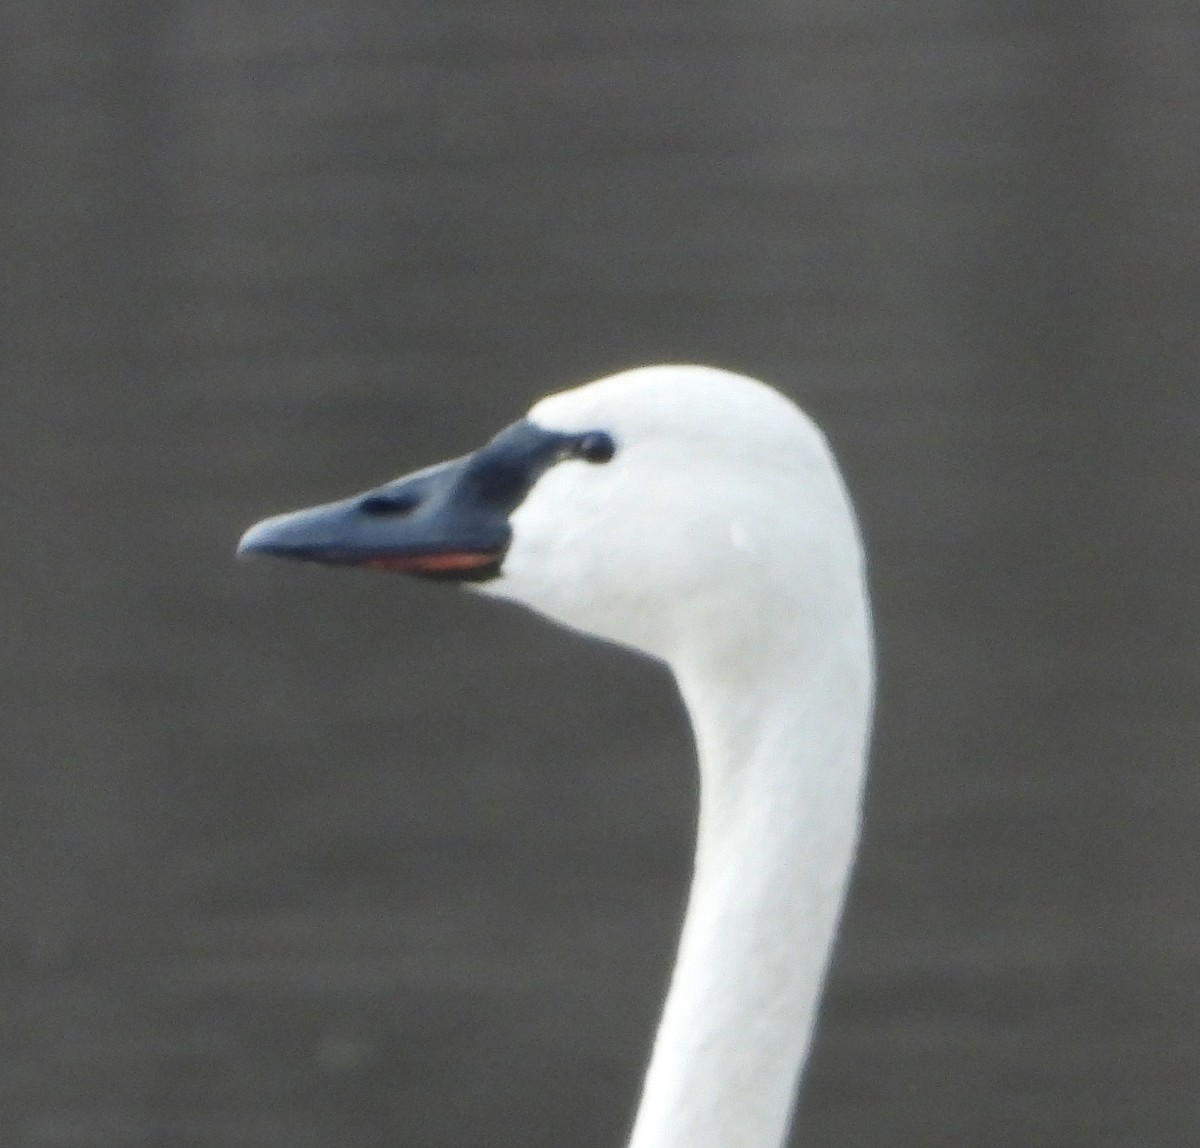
{"x": 595, "y": 446}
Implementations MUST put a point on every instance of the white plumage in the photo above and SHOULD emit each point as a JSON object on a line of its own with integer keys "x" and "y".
{"x": 720, "y": 539}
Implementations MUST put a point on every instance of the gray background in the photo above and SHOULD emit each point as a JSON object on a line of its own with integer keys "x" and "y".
{"x": 297, "y": 857}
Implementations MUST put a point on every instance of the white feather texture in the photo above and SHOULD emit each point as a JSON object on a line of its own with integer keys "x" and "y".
{"x": 720, "y": 539}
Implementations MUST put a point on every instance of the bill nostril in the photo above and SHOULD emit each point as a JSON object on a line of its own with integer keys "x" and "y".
{"x": 388, "y": 505}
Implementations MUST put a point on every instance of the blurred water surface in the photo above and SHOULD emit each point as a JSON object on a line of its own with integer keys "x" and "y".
{"x": 294, "y": 857}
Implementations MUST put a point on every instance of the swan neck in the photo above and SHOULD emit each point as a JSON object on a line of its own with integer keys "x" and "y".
{"x": 781, "y": 765}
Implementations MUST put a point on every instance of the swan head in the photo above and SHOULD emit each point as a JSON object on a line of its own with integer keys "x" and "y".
{"x": 655, "y": 508}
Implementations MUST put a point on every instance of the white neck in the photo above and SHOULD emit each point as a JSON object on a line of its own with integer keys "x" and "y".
{"x": 781, "y": 766}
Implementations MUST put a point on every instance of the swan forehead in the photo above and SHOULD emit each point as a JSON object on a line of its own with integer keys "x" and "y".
{"x": 689, "y": 405}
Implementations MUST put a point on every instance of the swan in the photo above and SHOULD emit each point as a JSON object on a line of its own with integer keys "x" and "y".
{"x": 697, "y": 516}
